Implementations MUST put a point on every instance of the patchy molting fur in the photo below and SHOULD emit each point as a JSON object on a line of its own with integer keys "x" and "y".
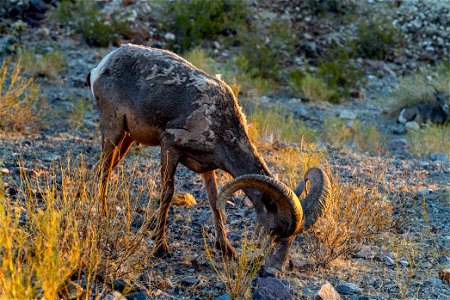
{"x": 138, "y": 68}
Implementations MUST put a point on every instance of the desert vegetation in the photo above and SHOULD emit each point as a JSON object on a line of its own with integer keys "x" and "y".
{"x": 320, "y": 85}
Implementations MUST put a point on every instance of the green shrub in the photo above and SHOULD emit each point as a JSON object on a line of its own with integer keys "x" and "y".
{"x": 263, "y": 53}
{"x": 193, "y": 21}
{"x": 341, "y": 7}
{"x": 338, "y": 71}
{"x": 98, "y": 29}
{"x": 377, "y": 38}
{"x": 310, "y": 87}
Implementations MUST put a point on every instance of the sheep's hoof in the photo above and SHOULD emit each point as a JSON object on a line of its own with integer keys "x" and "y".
{"x": 226, "y": 248}
{"x": 162, "y": 251}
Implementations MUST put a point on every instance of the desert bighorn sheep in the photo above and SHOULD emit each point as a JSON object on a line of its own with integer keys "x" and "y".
{"x": 431, "y": 112}
{"x": 154, "y": 97}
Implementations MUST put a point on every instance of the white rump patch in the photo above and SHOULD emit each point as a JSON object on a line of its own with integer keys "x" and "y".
{"x": 401, "y": 118}
{"x": 97, "y": 71}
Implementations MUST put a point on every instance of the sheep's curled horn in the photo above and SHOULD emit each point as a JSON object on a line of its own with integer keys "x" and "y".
{"x": 293, "y": 215}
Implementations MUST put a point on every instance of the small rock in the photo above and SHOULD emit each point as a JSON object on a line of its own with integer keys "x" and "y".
{"x": 138, "y": 221}
{"x": 398, "y": 145}
{"x": 404, "y": 262}
{"x": 165, "y": 284}
{"x": 5, "y": 171}
{"x": 366, "y": 252}
{"x": 138, "y": 296}
{"x": 119, "y": 285}
{"x": 348, "y": 288}
{"x": 51, "y": 158}
{"x": 301, "y": 265}
{"x": 433, "y": 281}
{"x": 424, "y": 193}
{"x": 363, "y": 297}
{"x": 412, "y": 125}
{"x": 388, "y": 260}
{"x": 223, "y": 297}
{"x": 183, "y": 199}
{"x": 444, "y": 275}
{"x": 42, "y": 32}
{"x": 71, "y": 290}
{"x": 169, "y": 36}
{"x": 443, "y": 260}
{"x": 400, "y": 129}
{"x": 348, "y": 115}
{"x": 327, "y": 292}
{"x": 189, "y": 281}
{"x": 439, "y": 157}
{"x": 116, "y": 296}
{"x": 271, "y": 288}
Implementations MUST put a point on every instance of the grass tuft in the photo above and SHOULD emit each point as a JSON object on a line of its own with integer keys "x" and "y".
{"x": 429, "y": 139}
{"x": 19, "y": 99}
{"x": 48, "y": 65}
{"x": 238, "y": 273}
{"x": 344, "y": 134}
{"x": 277, "y": 124}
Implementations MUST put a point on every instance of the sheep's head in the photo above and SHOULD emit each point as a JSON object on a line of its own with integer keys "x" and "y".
{"x": 288, "y": 216}
{"x": 442, "y": 97}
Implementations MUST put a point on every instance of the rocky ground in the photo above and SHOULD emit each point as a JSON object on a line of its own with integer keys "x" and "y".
{"x": 373, "y": 272}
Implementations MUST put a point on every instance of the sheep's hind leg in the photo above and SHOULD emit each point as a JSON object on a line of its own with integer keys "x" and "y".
{"x": 169, "y": 162}
{"x": 114, "y": 150}
{"x": 222, "y": 242}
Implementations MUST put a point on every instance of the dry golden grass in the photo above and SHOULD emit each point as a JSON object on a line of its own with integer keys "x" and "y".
{"x": 344, "y": 134}
{"x": 291, "y": 163}
{"x": 277, "y": 124}
{"x": 356, "y": 214}
{"x": 49, "y": 65}
{"x": 238, "y": 273}
{"x": 19, "y": 99}
{"x": 57, "y": 232}
{"x": 429, "y": 139}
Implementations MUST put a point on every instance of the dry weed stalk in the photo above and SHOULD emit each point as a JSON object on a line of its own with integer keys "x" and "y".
{"x": 58, "y": 233}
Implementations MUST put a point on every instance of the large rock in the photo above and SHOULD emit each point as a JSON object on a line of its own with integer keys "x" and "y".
{"x": 271, "y": 288}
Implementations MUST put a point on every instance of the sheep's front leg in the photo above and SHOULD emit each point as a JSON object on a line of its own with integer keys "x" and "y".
{"x": 169, "y": 162}
{"x": 222, "y": 242}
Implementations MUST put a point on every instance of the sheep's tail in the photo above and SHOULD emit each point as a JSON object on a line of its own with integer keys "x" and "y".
{"x": 88, "y": 79}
